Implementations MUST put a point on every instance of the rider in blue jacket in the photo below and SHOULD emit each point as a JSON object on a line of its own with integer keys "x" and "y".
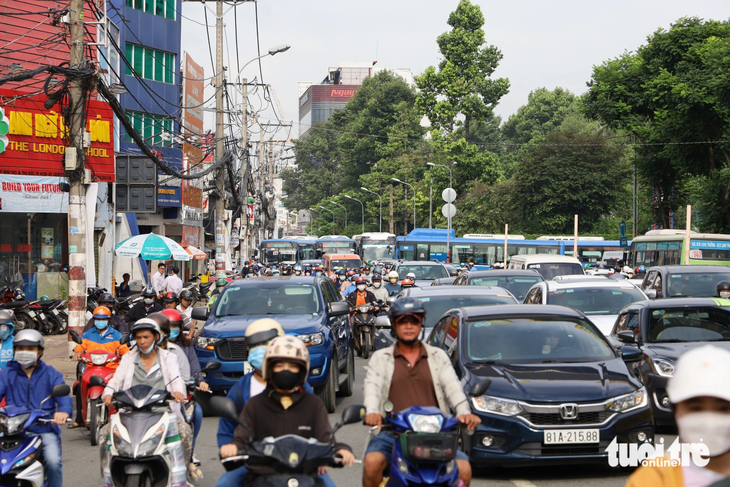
{"x": 7, "y": 327}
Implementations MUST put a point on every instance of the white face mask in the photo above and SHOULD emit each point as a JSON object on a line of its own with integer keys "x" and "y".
{"x": 26, "y": 359}
{"x": 725, "y": 294}
{"x": 361, "y": 287}
{"x": 377, "y": 284}
{"x": 393, "y": 280}
{"x": 710, "y": 428}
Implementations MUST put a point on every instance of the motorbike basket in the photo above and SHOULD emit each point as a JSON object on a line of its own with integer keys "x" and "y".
{"x": 429, "y": 447}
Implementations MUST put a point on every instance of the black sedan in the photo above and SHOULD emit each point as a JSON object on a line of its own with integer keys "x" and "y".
{"x": 516, "y": 281}
{"x": 663, "y": 330}
{"x": 559, "y": 392}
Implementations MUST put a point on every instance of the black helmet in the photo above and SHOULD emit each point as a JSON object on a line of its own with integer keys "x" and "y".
{"x": 723, "y": 286}
{"x": 107, "y": 298}
{"x": 406, "y": 306}
{"x": 149, "y": 293}
{"x": 162, "y": 321}
{"x": 186, "y": 294}
{"x": 170, "y": 297}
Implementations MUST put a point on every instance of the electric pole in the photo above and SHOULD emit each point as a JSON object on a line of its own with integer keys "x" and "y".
{"x": 74, "y": 163}
{"x": 244, "y": 171}
{"x": 220, "y": 264}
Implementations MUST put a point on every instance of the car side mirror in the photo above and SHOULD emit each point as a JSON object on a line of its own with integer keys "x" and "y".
{"x": 382, "y": 322}
{"x": 60, "y": 390}
{"x": 480, "y": 388}
{"x": 626, "y": 336}
{"x": 650, "y": 293}
{"x": 200, "y": 313}
{"x": 96, "y": 380}
{"x": 75, "y": 336}
{"x": 211, "y": 366}
{"x": 631, "y": 354}
{"x": 339, "y": 308}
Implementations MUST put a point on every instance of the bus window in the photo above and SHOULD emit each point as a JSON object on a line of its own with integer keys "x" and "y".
{"x": 422, "y": 252}
{"x": 406, "y": 252}
{"x": 438, "y": 252}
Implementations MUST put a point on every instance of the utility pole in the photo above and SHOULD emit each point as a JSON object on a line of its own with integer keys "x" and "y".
{"x": 391, "y": 227}
{"x": 220, "y": 264}
{"x": 262, "y": 165}
{"x": 244, "y": 173}
{"x": 74, "y": 161}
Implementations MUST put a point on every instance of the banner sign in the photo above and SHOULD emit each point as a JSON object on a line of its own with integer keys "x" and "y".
{"x": 169, "y": 196}
{"x": 710, "y": 244}
{"x": 28, "y": 194}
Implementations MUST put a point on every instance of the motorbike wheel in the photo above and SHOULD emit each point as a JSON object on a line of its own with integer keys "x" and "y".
{"x": 347, "y": 387}
{"x": 137, "y": 480}
{"x": 63, "y": 320}
{"x": 96, "y": 420}
{"x": 24, "y": 322}
{"x": 328, "y": 391}
{"x": 366, "y": 344}
{"x": 55, "y": 325}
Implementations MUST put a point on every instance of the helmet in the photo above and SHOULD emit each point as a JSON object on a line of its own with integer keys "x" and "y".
{"x": 642, "y": 268}
{"x": 298, "y": 268}
{"x": 411, "y": 276}
{"x": 6, "y": 316}
{"x": 341, "y": 272}
{"x": 149, "y": 293}
{"x": 186, "y": 294}
{"x": 351, "y": 273}
{"x": 161, "y": 320}
{"x": 377, "y": 277}
{"x": 170, "y": 297}
{"x": 106, "y": 298}
{"x": 262, "y": 330}
{"x": 174, "y": 317}
{"x": 406, "y": 306}
{"x": 102, "y": 313}
{"x": 29, "y": 338}
{"x": 392, "y": 275}
{"x": 221, "y": 282}
{"x": 146, "y": 324}
{"x": 723, "y": 286}
{"x": 407, "y": 283}
{"x": 287, "y": 348}
{"x": 703, "y": 371}
{"x": 361, "y": 280}
{"x": 377, "y": 270}
{"x": 46, "y": 298}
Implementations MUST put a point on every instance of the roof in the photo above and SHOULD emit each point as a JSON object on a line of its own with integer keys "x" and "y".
{"x": 451, "y": 290}
{"x": 505, "y": 273}
{"x": 251, "y": 281}
{"x": 679, "y": 303}
{"x": 595, "y": 283}
{"x": 545, "y": 259}
{"x": 691, "y": 269}
{"x": 418, "y": 262}
{"x": 475, "y": 312}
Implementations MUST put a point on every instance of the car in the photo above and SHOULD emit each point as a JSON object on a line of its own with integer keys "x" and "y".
{"x": 309, "y": 307}
{"x": 444, "y": 281}
{"x": 550, "y": 401}
{"x": 516, "y": 281}
{"x": 425, "y": 271}
{"x": 548, "y": 265}
{"x": 600, "y": 300}
{"x": 578, "y": 277}
{"x": 697, "y": 281}
{"x": 663, "y": 329}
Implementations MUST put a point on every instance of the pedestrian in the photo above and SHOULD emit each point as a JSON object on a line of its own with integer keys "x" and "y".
{"x": 699, "y": 392}
{"x": 158, "y": 280}
{"x": 173, "y": 283}
{"x": 124, "y": 289}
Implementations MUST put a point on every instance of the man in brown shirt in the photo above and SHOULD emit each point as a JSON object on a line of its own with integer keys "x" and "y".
{"x": 412, "y": 383}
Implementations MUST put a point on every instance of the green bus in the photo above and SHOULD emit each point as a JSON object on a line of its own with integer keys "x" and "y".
{"x": 666, "y": 247}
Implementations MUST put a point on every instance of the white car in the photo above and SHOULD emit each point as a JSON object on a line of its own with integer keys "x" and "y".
{"x": 600, "y": 300}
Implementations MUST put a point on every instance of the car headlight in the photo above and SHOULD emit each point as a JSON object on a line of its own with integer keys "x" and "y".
{"x": 312, "y": 339}
{"x": 98, "y": 358}
{"x": 11, "y": 425}
{"x": 628, "y": 402}
{"x": 663, "y": 367}
{"x": 425, "y": 423}
{"x": 149, "y": 445}
{"x": 495, "y": 405}
{"x": 207, "y": 343}
{"x": 123, "y": 446}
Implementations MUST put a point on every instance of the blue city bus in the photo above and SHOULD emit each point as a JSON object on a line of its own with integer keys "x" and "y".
{"x": 333, "y": 244}
{"x": 307, "y": 250}
{"x": 278, "y": 251}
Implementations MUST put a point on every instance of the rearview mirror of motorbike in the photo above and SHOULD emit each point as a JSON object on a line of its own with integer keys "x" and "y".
{"x": 125, "y": 339}
{"x": 480, "y": 388}
{"x": 96, "y": 380}
{"x": 75, "y": 336}
{"x": 60, "y": 390}
{"x": 390, "y": 300}
{"x": 200, "y": 313}
{"x": 225, "y": 408}
{"x": 382, "y": 322}
{"x": 353, "y": 414}
{"x": 211, "y": 366}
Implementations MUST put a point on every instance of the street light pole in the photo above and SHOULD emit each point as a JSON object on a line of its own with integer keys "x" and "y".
{"x": 448, "y": 226}
{"x": 414, "y": 199}
{"x": 333, "y": 215}
{"x": 381, "y": 206}
{"x": 363, "y": 210}
{"x": 343, "y": 207}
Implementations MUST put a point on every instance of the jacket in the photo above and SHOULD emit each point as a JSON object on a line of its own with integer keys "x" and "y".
{"x": 449, "y": 393}
{"x": 656, "y": 477}
{"x": 139, "y": 311}
{"x": 352, "y": 298}
{"x": 393, "y": 289}
{"x": 108, "y": 341}
{"x": 117, "y": 322}
{"x": 182, "y": 360}
{"x": 6, "y": 349}
{"x": 240, "y": 393}
{"x": 380, "y": 293}
{"x": 20, "y": 390}
{"x": 193, "y": 361}
{"x": 122, "y": 379}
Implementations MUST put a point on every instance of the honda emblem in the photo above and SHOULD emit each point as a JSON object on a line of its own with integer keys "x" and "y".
{"x": 568, "y": 411}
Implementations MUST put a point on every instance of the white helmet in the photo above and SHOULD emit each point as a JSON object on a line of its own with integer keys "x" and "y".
{"x": 392, "y": 275}
{"x": 411, "y": 276}
{"x": 703, "y": 371}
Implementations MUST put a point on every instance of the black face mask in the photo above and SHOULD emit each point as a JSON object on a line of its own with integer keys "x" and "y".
{"x": 285, "y": 380}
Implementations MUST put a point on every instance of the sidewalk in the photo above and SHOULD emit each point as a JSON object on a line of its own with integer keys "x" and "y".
{"x": 56, "y": 355}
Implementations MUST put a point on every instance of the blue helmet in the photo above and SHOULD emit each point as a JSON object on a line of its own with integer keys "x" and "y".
{"x": 642, "y": 268}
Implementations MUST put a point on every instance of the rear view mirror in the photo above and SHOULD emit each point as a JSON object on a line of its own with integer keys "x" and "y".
{"x": 631, "y": 354}
{"x": 223, "y": 407}
{"x": 650, "y": 293}
{"x": 125, "y": 339}
{"x": 96, "y": 380}
{"x": 339, "y": 308}
{"x": 382, "y": 322}
{"x": 75, "y": 336}
{"x": 211, "y": 366}
{"x": 60, "y": 390}
{"x": 200, "y": 313}
{"x": 353, "y": 414}
{"x": 626, "y": 336}
{"x": 480, "y": 388}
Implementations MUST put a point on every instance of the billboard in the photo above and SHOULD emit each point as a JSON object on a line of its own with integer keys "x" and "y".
{"x": 193, "y": 87}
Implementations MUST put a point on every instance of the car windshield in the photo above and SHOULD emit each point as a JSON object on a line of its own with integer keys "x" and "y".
{"x": 264, "y": 298}
{"x": 595, "y": 300}
{"x": 535, "y": 340}
{"x": 518, "y": 285}
{"x": 423, "y": 272}
{"x": 549, "y": 270}
{"x": 695, "y": 284}
{"x": 689, "y": 324}
{"x": 345, "y": 263}
{"x": 436, "y": 306}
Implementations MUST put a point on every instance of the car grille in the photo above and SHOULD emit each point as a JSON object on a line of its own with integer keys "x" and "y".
{"x": 535, "y": 449}
{"x": 233, "y": 349}
{"x": 554, "y": 419}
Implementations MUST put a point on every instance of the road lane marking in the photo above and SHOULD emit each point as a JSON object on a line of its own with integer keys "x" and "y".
{"x": 522, "y": 483}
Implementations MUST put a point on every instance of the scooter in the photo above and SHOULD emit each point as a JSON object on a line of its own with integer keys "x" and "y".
{"x": 363, "y": 328}
{"x": 20, "y": 452}
{"x": 425, "y": 453}
{"x": 294, "y": 459}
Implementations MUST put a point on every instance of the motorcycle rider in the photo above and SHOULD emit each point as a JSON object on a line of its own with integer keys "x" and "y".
{"x": 163, "y": 326}
{"x": 410, "y": 373}
{"x": 377, "y": 288}
{"x": 392, "y": 285}
{"x": 342, "y": 280}
{"x": 284, "y": 407}
{"x": 27, "y": 381}
{"x": 298, "y": 271}
{"x": 143, "y": 308}
{"x": 351, "y": 287}
{"x": 220, "y": 283}
{"x": 7, "y": 327}
{"x": 101, "y": 337}
{"x": 186, "y": 305}
{"x": 366, "y": 272}
{"x": 158, "y": 368}
{"x": 723, "y": 289}
{"x": 116, "y": 322}
{"x": 361, "y": 295}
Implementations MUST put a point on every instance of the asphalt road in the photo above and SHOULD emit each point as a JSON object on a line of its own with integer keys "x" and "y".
{"x": 81, "y": 460}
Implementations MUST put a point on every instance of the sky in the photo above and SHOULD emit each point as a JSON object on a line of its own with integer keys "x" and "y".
{"x": 544, "y": 43}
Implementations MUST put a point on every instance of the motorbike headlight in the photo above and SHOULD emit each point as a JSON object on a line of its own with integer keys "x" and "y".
{"x": 123, "y": 446}
{"x": 312, "y": 339}
{"x": 495, "y": 405}
{"x": 663, "y": 367}
{"x": 402, "y": 465}
{"x": 11, "y": 425}
{"x": 98, "y": 358}
{"x": 26, "y": 460}
{"x": 207, "y": 343}
{"x": 627, "y": 402}
{"x": 149, "y": 445}
{"x": 450, "y": 466}
{"x": 425, "y": 423}
{"x": 363, "y": 309}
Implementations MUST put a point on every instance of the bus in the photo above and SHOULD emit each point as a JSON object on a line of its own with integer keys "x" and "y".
{"x": 375, "y": 246}
{"x": 277, "y": 251}
{"x": 333, "y": 244}
{"x": 665, "y": 247}
{"x": 307, "y": 249}
{"x": 592, "y": 250}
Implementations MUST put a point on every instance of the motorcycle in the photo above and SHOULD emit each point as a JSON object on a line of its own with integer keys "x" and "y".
{"x": 188, "y": 407}
{"x": 363, "y": 328}
{"x": 94, "y": 373}
{"x": 36, "y": 311}
{"x": 294, "y": 459}
{"x": 425, "y": 453}
{"x": 20, "y": 452}
{"x": 24, "y": 316}
{"x": 144, "y": 444}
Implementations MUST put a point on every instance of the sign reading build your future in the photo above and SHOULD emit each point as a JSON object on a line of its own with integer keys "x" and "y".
{"x": 37, "y": 138}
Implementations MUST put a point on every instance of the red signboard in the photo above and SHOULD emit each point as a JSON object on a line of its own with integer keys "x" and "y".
{"x": 38, "y": 138}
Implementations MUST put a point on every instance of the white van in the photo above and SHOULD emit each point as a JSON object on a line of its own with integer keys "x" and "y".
{"x": 548, "y": 265}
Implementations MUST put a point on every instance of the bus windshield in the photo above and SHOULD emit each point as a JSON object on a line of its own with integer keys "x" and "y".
{"x": 307, "y": 252}
{"x": 373, "y": 251}
{"x": 276, "y": 252}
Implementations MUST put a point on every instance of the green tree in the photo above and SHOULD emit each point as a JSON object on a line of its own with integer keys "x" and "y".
{"x": 544, "y": 112}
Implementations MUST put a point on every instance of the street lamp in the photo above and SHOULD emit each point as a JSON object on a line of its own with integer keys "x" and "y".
{"x": 363, "y": 210}
{"x": 333, "y": 214}
{"x": 381, "y": 205}
{"x": 448, "y": 231}
{"x": 272, "y": 52}
{"x": 447, "y": 167}
{"x": 414, "y": 199}
{"x": 343, "y": 207}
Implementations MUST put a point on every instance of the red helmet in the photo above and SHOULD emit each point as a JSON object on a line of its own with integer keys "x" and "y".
{"x": 350, "y": 273}
{"x": 407, "y": 283}
{"x": 175, "y": 317}
{"x": 361, "y": 280}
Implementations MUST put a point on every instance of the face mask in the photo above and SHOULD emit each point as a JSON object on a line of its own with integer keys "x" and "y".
{"x": 710, "y": 428}
{"x": 101, "y": 324}
{"x": 151, "y": 347}
{"x": 256, "y": 357}
{"x": 342, "y": 278}
{"x": 361, "y": 287}
{"x": 174, "y": 333}
{"x": 285, "y": 380}
{"x": 394, "y": 281}
{"x": 148, "y": 301}
{"x": 725, "y": 294}
{"x": 4, "y": 332}
{"x": 319, "y": 273}
{"x": 26, "y": 359}
{"x": 377, "y": 284}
